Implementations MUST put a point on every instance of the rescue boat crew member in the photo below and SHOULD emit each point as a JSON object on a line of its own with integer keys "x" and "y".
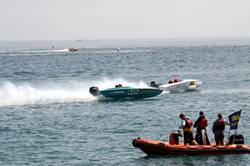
{"x": 218, "y": 129}
{"x": 186, "y": 126}
{"x": 201, "y": 133}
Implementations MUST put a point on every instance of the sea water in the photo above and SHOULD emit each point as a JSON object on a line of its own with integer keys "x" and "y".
{"x": 48, "y": 117}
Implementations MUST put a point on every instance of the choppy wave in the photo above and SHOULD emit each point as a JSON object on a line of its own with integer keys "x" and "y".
{"x": 26, "y": 93}
{"x": 226, "y": 91}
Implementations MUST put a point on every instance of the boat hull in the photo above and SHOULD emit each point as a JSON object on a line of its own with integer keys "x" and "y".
{"x": 134, "y": 93}
{"x": 72, "y": 49}
{"x": 156, "y": 147}
{"x": 185, "y": 85}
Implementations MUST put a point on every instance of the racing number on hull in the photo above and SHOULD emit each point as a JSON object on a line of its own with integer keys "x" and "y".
{"x": 133, "y": 92}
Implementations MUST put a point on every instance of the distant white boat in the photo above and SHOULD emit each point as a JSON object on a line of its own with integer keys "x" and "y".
{"x": 176, "y": 85}
{"x": 72, "y": 49}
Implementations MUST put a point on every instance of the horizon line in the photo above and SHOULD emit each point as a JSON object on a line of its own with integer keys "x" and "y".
{"x": 131, "y": 39}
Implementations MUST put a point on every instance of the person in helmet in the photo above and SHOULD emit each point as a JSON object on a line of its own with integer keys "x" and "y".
{"x": 154, "y": 84}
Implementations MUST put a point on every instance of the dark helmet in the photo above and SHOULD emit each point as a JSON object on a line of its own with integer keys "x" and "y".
{"x": 170, "y": 81}
{"x": 219, "y": 115}
{"x": 94, "y": 91}
{"x": 181, "y": 116}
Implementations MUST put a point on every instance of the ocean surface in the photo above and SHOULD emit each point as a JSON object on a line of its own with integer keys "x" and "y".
{"x": 48, "y": 117}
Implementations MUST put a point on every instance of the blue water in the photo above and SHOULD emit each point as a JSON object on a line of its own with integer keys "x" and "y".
{"x": 48, "y": 117}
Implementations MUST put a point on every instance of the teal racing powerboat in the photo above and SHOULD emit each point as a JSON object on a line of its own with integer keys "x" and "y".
{"x": 121, "y": 92}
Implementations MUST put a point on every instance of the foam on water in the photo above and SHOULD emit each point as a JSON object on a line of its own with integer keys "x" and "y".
{"x": 55, "y": 92}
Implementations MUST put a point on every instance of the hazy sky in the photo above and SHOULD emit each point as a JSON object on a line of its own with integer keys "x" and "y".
{"x": 123, "y": 19}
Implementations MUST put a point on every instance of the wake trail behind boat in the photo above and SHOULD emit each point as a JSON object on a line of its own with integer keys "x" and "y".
{"x": 56, "y": 92}
{"x": 34, "y": 51}
{"x": 46, "y": 51}
{"x": 26, "y": 93}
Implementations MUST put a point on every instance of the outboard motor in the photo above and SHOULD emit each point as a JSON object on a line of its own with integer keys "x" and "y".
{"x": 94, "y": 91}
{"x": 174, "y": 137}
{"x": 236, "y": 139}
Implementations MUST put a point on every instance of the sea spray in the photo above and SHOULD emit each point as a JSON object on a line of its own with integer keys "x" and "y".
{"x": 110, "y": 83}
{"x": 27, "y": 93}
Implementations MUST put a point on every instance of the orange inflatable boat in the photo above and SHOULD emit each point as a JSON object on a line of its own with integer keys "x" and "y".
{"x": 154, "y": 147}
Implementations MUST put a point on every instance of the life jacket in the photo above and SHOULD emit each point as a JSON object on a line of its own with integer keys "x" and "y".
{"x": 203, "y": 123}
{"x": 188, "y": 125}
{"x": 220, "y": 125}
{"x": 189, "y": 122}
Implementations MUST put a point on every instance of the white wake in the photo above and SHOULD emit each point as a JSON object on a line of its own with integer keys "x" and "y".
{"x": 26, "y": 93}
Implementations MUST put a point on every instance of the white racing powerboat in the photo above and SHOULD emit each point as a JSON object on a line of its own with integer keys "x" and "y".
{"x": 177, "y": 85}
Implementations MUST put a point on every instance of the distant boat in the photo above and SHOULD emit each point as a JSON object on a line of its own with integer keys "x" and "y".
{"x": 73, "y": 49}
